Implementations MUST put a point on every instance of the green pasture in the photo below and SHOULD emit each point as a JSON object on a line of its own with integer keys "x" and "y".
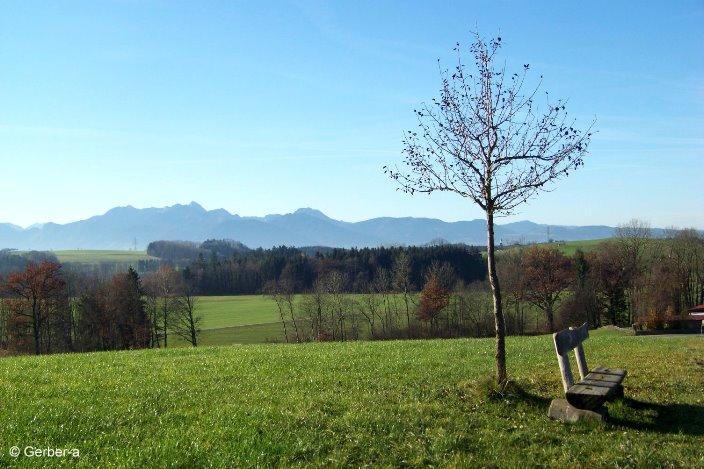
{"x": 394, "y": 403}
{"x": 240, "y": 310}
{"x": 239, "y": 319}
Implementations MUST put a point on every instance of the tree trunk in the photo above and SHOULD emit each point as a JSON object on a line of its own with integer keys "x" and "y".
{"x": 192, "y": 324}
{"x": 165, "y": 312}
{"x": 408, "y": 311}
{"x": 499, "y": 323}
{"x": 36, "y": 327}
{"x": 551, "y": 317}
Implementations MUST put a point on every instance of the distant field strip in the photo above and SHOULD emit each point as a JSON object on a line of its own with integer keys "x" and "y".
{"x": 88, "y": 256}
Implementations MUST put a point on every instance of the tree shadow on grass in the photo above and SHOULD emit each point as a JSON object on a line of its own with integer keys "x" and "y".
{"x": 686, "y": 419}
{"x": 487, "y": 390}
{"x": 520, "y": 394}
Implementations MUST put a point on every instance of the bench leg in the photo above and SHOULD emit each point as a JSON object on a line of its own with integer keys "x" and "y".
{"x": 618, "y": 392}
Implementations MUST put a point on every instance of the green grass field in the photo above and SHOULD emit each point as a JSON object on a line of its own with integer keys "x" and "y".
{"x": 570, "y": 247}
{"x": 389, "y": 403}
{"x": 87, "y": 256}
{"x": 240, "y": 310}
{"x": 242, "y": 319}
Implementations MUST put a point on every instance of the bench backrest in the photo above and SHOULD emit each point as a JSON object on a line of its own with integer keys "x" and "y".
{"x": 565, "y": 341}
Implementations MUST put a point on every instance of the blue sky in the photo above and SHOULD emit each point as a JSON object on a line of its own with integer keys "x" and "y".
{"x": 264, "y": 107}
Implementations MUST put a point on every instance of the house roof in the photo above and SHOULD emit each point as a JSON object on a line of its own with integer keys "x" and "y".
{"x": 697, "y": 309}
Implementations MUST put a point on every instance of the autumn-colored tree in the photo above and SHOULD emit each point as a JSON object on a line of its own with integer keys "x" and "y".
{"x": 434, "y": 298}
{"x": 546, "y": 274}
{"x": 487, "y": 140}
{"x": 39, "y": 290}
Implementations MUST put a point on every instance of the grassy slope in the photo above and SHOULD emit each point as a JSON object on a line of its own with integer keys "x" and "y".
{"x": 382, "y": 403}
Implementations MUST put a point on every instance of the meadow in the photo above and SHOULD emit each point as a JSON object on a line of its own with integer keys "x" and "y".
{"x": 241, "y": 319}
{"x": 395, "y": 403}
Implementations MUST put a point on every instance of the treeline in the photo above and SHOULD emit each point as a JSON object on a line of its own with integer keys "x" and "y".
{"x": 12, "y": 260}
{"x": 185, "y": 252}
{"x": 631, "y": 279}
{"x": 46, "y": 309}
{"x": 248, "y": 272}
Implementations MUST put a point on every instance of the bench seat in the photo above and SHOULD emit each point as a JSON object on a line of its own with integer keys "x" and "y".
{"x": 610, "y": 371}
{"x": 599, "y": 386}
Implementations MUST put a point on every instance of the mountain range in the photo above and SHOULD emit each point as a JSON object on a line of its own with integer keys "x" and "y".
{"x": 127, "y": 227}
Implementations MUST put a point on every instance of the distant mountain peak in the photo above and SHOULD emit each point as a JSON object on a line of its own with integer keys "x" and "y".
{"x": 123, "y": 208}
{"x": 193, "y": 206}
{"x": 311, "y": 212}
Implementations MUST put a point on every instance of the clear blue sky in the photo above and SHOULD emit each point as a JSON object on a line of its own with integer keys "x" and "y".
{"x": 264, "y": 107}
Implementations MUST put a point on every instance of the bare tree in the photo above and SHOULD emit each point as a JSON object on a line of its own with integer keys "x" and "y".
{"x": 186, "y": 323}
{"x": 633, "y": 238}
{"x": 402, "y": 283}
{"x": 368, "y": 306}
{"x": 486, "y": 140}
{"x": 163, "y": 287}
{"x": 275, "y": 291}
{"x": 313, "y": 306}
{"x": 509, "y": 270}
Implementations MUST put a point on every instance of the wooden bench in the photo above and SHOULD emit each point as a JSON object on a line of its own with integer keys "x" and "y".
{"x": 596, "y": 386}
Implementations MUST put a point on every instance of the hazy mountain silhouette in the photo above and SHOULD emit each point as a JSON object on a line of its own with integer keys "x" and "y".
{"x": 119, "y": 227}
